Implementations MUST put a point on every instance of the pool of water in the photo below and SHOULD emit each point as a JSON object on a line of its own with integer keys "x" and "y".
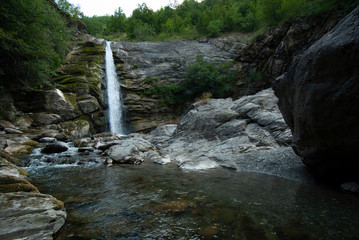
{"x": 151, "y": 201}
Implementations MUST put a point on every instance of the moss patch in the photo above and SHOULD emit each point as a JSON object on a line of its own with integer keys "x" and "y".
{"x": 13, "y": 184}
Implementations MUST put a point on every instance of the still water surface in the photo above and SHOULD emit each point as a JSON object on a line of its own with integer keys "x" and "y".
{"x": 151, "y": 201}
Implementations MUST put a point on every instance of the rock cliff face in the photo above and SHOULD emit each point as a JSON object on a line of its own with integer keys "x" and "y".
{"x": 318, "y": 98}
{"x": 143, "y": 65}
{"x": 274, "y": 52}
{"x": 76, "y": 106}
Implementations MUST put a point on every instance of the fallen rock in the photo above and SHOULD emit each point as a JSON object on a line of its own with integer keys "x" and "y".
{"x": 14, "y": 184}
{"x": 47, "y": 140}
{"x": 76, "y": 129}
{"x": 17, "y": 150}
{"x": 130, "y": 150}
{"x": 12, "y": 131}
{"x": 59, "y": 104}
{"x": 318, "y": 99}
{"x": 10, "y": 170}
{"x": 5, "y": 124}
{"x": 45, "y": 118}
{"x": 88, "y": 105}
{"x": 54, "y": 148}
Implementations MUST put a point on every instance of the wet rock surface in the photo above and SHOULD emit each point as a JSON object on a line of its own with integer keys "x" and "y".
{"x": 54, "y": 148}
{"x": 317, "y": 98}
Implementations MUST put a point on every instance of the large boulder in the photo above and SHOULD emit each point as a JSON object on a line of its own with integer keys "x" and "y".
{"x": 54, "y": 148}
{"x": 132, "y": 149}
{"x": 26, "y": 215}
{"x": 319, "y": 100}
{"x": 24, "y": 212}
{"x": 248, "y": 134}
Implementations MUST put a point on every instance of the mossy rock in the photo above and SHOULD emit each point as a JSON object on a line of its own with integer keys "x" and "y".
{"x": 68, "y": 79}
{"x": 14, "y": 184}
{"x": 32, "y": 143}
{"x": 23, "y": 172}
{"x": 21, "y": 151}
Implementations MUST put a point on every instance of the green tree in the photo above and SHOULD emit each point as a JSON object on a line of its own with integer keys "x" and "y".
{"x": 73, "y": 11}
{"x": 203, "y": 76}
{"x": 33, "y": 42}
{"x": 117, "y": 21}
{"x": 215, "y": 27}
{"x": 269, "y": 11}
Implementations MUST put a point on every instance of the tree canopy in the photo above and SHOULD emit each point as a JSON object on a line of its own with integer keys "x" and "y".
{"x": 192, "y": 19}
{"x": 33, "y": 42}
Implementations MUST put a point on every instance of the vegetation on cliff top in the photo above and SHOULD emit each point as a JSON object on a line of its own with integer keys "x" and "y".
{"x": 193, "y": 19}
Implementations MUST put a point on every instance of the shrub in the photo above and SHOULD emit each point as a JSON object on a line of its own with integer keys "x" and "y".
{"x": 204, "y": 76}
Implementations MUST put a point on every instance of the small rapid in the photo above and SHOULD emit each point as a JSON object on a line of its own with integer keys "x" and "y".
{"x": 72, "y": 157}
{"x": 114, "y": 96}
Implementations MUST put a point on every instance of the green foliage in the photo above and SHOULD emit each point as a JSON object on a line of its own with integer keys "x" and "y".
{"x": 204, "y": 76}
{"x": 193, "y": 19}
{"x": 168, "y": 94}
{"x": 33, "y": 42}
{"x": 254, "y": 76}
{"x": 97, "y": 25}
{"x": 70, "y": 9}
{"x": 215, "y": 27}
{"x": 201, "y": 77}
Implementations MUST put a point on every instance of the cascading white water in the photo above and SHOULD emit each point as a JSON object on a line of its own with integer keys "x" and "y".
{"x": 113, "y": 94}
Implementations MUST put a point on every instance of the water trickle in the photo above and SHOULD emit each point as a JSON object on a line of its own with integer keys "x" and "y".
{"x": 113, "y": 94}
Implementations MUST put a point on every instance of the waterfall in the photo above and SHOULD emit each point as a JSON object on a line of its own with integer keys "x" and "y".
{"x": 113, "y": 94}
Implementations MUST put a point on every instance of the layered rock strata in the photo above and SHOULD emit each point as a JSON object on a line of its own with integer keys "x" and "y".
{"x": 24, "y": 212}
{"x": 143, "y": 65}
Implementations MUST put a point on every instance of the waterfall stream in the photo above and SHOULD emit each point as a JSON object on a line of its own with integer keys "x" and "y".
{"x": 113, "y": 94}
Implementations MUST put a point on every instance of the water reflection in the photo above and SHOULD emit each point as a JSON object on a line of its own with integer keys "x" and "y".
{"x": 162, "y": 202}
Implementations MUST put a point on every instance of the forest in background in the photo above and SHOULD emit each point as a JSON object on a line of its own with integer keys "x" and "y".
{"x": 193, "y": 19}
{"x": 35, "y": 38}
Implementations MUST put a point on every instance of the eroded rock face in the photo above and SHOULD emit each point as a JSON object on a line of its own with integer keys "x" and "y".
{"x": 274, "y": 52}
{"x": 143, "y": 65}
{"x": 78, "y": 96}
{"x": 318, "y": 98}
{"x": 248, "y": 134}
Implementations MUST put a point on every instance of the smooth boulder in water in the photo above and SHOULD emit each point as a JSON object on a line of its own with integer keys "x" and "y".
{"x": 54, "y": 148}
